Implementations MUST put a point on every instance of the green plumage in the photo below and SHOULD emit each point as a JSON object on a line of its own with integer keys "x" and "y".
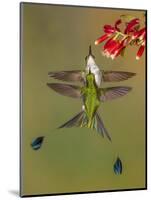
{"x": 91, "y": 100}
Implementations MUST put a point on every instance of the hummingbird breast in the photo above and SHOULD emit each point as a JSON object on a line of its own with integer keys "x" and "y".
{"x": 97, "y": 73}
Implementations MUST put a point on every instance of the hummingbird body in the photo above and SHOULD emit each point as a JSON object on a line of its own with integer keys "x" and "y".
{"x": 90, "y": 99}
{"x": 91, "y": 92}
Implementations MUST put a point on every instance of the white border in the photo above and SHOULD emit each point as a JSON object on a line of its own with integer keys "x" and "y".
{"x": 9, "y": 98}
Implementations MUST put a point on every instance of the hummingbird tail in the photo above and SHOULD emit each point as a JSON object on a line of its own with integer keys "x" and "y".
{"x": 78, "y": 121}
{"x": 99, "y": 126}
{"x": 81, "y": 120}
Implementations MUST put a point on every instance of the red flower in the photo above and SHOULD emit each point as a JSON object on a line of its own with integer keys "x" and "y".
{"x": 141, "y": 33}
{"x": 118, "y": 50}
{"x": 131, "y": 25}
{"x": 113, "y": 48}
{"x": 118, "y": 22}
{"x": 109, "y": 29}
{"x": 118, "y": 40}
{"x": 102, "y": 38}
{"x": 140, "y": 51}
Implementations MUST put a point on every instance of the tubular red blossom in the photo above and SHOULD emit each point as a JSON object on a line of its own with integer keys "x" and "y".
{"x": 117, "y": 23}
{"x": 118, "y": 50}
{"x": 143, "y": 35}
{"x": 131, "y": 25}
{"x": 114, "y": 52}
{"x": 115, "y": 47}
{"x": 102, "y": 38}
{"x": 112, "y": 48}
{"x": 110, "y": 43}
{"x": 109, "y": 29}
{"x": 140, "y": 52}
{"x": 139, "y": 33}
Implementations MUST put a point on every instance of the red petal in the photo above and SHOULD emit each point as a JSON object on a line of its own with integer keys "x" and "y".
{"x": 139, "y": 33}
{"x": 118, "y": 50}
{"x": 102, "y": 38}
{"x": 140, "y": 52}
{"x": 112, "y": 48}
{"x": 109, "y": 43}
{"x": 143, "y": 35}
{"x": 118, "y": 22}
{"x": 109, "y": 29}
{"x": 131, "y": 25}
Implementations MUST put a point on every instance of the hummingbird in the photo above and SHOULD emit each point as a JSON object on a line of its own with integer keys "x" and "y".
{"x": 100, "y": 75}
{"x": 92, "y": 97}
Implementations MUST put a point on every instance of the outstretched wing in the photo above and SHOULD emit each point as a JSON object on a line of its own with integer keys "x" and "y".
{"x": 71, "y": 76}
{"x": 109, "y": 76}
{"x": 113, "y": 92}
{"x": 77, "y": 75}
{"x": 66, "y": 89}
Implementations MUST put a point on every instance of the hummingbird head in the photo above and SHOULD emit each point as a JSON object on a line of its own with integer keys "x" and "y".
{"x": 90, "y": 57}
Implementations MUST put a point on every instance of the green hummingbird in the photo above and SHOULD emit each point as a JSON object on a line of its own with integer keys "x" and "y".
{"x": 92, "y": 96}
{"x": 100, "y": 75}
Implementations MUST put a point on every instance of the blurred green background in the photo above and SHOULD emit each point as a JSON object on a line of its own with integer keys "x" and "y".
{"x": 77, "y": 160}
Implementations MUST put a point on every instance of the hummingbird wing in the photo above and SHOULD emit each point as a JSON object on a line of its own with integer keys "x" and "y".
{"x": 66, "y": 89}
{"x": 71, "y": 76}
{"x": 109, "y": 76}
{"x": 113, "y": 92}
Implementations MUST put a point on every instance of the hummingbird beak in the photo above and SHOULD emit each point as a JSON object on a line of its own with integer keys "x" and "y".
{"x": 90, "y": 55}
{"x": 90, "y": 52}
